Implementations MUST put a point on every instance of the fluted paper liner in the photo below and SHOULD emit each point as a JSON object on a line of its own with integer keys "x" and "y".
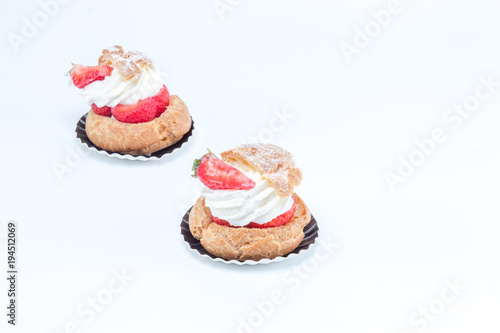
{"x": 310, "y": 234}
{"x": 84, "y": 139}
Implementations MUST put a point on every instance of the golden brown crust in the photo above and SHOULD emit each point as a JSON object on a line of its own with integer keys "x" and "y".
{"x": 143, "y": 138}
{"x": 272, "y": 162}
{"x": 130, "y": 64}
{"x": 248, "y": 243}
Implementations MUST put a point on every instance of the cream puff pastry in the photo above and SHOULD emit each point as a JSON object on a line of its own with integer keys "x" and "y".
{"x": 132, "y": 110}
{"x": 248, "y": 209}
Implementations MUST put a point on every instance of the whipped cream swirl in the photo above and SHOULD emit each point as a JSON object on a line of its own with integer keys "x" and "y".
{"x": 260, "y": 204}
{"x": 114, "y": 89}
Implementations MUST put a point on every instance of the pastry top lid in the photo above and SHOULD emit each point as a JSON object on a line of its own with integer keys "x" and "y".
{"x": 274, "y": 163}
{"x": 130, "y": 64}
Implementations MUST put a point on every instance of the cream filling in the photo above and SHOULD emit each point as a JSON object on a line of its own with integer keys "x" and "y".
{"x": 114, "y": 89}
{"x": 260, "y": 204}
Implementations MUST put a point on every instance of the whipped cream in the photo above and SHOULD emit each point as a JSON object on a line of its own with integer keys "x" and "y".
{"x": 260, "y": 204}
{"x": 114, "y": 89}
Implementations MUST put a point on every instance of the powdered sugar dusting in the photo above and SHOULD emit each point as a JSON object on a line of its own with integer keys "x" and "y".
{"x": 274, "y": 163}
{"x": 130, "y": 64}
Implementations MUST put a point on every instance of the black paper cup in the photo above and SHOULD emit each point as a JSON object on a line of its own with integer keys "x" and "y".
{"x": 311, "y": 231}
{"x": 84, "y": 139}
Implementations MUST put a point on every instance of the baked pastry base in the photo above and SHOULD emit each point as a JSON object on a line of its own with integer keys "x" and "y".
{"x": 143, "y": 138}
{"x": 248, "y": 243}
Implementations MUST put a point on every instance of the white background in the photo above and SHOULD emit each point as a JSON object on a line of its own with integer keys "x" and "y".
{"x": 353, "y": 120}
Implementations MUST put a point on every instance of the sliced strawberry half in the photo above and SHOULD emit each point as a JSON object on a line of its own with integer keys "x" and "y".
{"x": 102, "y": 111}
{"x": 83, "y": 75}
{"x": 217, "y": 175}
{"x": 278, "y": 221}
{"x": 142, "y": 111}
{"x": 161, "y": 99}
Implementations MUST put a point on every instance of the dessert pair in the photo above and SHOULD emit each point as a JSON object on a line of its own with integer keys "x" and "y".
{"x": 248, "y": 209}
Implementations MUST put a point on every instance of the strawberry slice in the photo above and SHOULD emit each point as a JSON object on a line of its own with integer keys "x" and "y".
{"x": 162, "y": 100}
{"x": 222, "y": 222}
{"x": 83, "y": 75}
{"x": 142, "y": 111}
{"x": 217, "y": 175}
{"x": 276, "y": 222}
{"x": 102, "y": 111}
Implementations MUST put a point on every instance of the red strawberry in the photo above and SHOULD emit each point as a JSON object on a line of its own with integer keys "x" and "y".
{"x": 217, "y": 175}
{"x": 140, "y": 112}
{"x": 221, "y": 222}
{"x": 103, "y": 111}
{"x": 161, "y": 99}
{"x": 276, "y": 222}
{"x": 83, "y": 75}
